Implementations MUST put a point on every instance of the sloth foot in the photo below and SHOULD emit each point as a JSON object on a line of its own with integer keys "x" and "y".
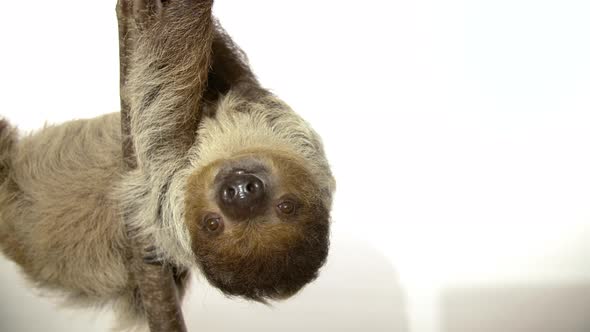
{"x": 145, "y": 12}
{"x": 153, "y": 256}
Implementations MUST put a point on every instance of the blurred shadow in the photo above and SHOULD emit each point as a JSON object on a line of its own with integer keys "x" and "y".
{"x": 357, "y": 290}
{"x": 517, "y": 308}
{"x": 27, "y": 309}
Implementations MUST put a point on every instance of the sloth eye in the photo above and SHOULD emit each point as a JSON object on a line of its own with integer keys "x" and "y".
{"x": 213, "y": 223}
{"x": 286, "y": 207}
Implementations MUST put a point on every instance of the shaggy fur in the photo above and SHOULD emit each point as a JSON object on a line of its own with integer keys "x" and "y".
{"x": 196, "y": 109}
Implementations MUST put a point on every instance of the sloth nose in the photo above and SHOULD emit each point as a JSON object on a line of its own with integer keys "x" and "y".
{"x": 242, "y": 196}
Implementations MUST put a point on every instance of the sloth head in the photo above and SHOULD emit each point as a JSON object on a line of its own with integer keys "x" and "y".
{"x": 258, "y": 200}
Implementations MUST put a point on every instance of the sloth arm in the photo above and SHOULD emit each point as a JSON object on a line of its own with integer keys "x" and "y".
{"x": 229, "y": 67}
{"x": 165, "y": 86}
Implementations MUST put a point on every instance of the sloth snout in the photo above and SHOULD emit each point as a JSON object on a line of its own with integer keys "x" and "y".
{"x": 242, "y": 195}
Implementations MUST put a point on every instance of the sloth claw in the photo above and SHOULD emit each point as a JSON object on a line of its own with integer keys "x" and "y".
{"x": 146, "y": 12}
{"x": 147, "y": 7}
{"x": 143, "y": 12}
{"x": 153, "y": 256}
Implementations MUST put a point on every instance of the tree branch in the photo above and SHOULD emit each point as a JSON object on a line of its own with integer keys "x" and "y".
{"x": 157, "y": 289}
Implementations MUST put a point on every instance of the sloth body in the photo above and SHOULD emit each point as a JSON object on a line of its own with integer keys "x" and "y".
{"x": 229, "y": 180}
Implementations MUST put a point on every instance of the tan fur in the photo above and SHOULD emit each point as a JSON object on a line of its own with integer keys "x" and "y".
{"x": 63, "y": 190}
{"x": 59, "y": 219}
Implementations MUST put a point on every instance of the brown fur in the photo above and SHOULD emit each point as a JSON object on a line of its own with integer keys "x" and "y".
{"x": 195, "y": 108}
{"x": 273, "y": 256}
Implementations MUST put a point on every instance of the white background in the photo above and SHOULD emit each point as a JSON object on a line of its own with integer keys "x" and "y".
{"x": 458, "y": 132}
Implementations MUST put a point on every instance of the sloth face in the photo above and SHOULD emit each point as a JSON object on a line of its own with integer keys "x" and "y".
{"x": 258, "y": 225}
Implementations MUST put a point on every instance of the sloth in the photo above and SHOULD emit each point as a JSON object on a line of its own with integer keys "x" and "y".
{"x": 230, "y": 182}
